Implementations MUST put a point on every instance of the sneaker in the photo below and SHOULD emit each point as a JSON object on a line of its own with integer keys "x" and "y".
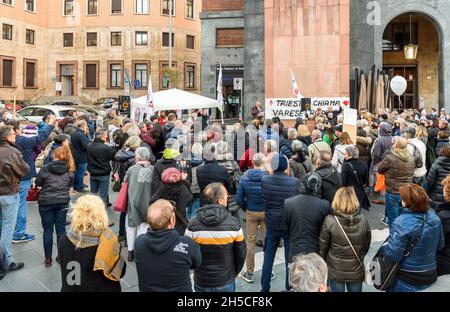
{"x": 14, "y": 266}
{"x": 48, "y": 262}
{"x": 24, "y": 239}
{"x": 280, "y": 244}
{"x": 378, "y": 202}
{"x": 130, "y": 256}
{"x": 248, "y": 277}
{"x": 272, "y": 276}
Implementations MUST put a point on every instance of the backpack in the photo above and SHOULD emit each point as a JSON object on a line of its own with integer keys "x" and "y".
{"x": 417, "y": 156}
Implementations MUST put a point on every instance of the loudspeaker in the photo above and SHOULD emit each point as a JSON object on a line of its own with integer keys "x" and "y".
{"x": 124, "y": 104}
{"x": 306, "y": 104}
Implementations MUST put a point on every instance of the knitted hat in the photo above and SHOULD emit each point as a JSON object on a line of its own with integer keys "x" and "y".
{"x": 279, "y": 162}
{"x": 171, "y": 175}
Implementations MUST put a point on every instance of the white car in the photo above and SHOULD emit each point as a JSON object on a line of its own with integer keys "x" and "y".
{"x": 36, "y": 112}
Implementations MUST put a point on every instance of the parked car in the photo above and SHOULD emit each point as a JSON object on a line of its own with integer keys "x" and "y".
{"x": 36, "y": 112}
{"x": 10, "y": 106}
{"x": 64, "y": 103}
{"x": 22, "y": 120}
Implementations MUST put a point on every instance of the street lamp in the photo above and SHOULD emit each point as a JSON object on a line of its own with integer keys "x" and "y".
{"x": 411, "y": 49}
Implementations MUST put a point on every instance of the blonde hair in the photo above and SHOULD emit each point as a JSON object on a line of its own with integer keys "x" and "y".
{"x": 133, "y": 142}
{"x": 303, "y": 131}
{"x": 88, "y": 214}
{"x": 345, "y": 138}
{"x": 345, "y": 201}
{"x": 421, "y": 132}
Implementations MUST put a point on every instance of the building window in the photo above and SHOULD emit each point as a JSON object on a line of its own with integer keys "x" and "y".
{"x": 8, "y": 71}
{"x": 141, "y": 38}
{"x": 7, "y": 32}
{"x": 141, "y": 6}
{"x": 190, "y": 42}
{"x": 8, "y": 2}
{"x": 92, "y": 7}
{"x": 68, "y": 7}
{"x": 91, "y": 75}
{"x": 164, "y": 79}
{"x": 30, "y": 36}
{"x": 68, "y": 39}
{"x": 115, "y": 73}
{"x": 141, "y": 73}
{"x": 230, "y": 38}
{"x": 165, "y": 7}
{"x": 116, "y": 6}
{"x": 29, "y": 5}
{"x": 91, "y": 39}
{"x": 116, "y": 38}
{"x": 189, "y": 76}
{"x": 397, "y": 35}
{"x": 29, "y": 73}
{"x": 165, "y": 39}
{"x": 189, "y": 9}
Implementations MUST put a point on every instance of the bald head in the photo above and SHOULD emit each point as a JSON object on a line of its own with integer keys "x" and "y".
{"x": 160, "y": 215}
{"x": 400, "y": 143}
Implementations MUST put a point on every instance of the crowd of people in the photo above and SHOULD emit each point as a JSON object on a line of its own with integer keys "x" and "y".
{"x": 192, "y": 184}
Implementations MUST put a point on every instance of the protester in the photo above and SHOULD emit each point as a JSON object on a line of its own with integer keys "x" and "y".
{"x": 12, "y": 167}
{"x": 55, "y": 180}
{"x": 221, "y": 242}
{"x": 317, "y": 146}
{"x": 417, "y": 225}
{"x": 92, "y": 245}
{"x": 257, "y": 111}
{"x": 170, "y": 124}
{"x": 80, "y": 141}
{"x": 443, "y": 212}
{"x": 330, "y": 178}
{"x": 163, "y": 258}
{"x": 442, "y": 140}
{"x": 304, "y": 136}
{"x": 381, "y": 147}
{"x": 308, "y": 273}
{"x": 437, "y": 173}
{"x": 286, "y": 144}
{"x": 344, "y": 242}
{"x": 249, "y": 197}
{"x": 300, "y": 164}
{"x": 303, "y": 217}
{"x": 417, "y": 149}
{"x": 276, "y": 188}
{"x": 363, "y": 144}
{"x": 60, "y": 140}
{"x": 339, "y": 151}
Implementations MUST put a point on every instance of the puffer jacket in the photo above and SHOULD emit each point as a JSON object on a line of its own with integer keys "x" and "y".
{"x": 343, "y": 266}
{"x": 12, "y": 168}
{"x": 438, "y": 172}
{"x": 249, "y": 194}
{"x": 125, "y": 158}
{"x": 443, "y": 256}
{"x": 405, "y": 229}
{"x": 55, "y": 181}
{"x": 382, "y": 145}
{"x": 363, "y": 146}
{"x": 331, "y": 181}
{"x": 399, "y": 167}
{"x": 286, "y": 147}
{"x": 222, "y": 245}
{"x": 276, "y": 189}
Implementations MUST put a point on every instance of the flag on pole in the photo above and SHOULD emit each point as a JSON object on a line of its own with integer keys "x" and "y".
{"x": 150, "y": 107}
{"x": 295, "y": 88}
{"x": 219, "y": 89}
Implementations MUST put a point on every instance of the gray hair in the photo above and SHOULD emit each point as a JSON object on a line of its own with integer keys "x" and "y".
{"x": 142, "y": 125}
{"x": 222, "y": 148}
{"x": 173, "y": 144}
{"x": 258, "y": 159}
{"x": 197, "y": 150}
{"x": 99, "y": 134}
{"x": 81, "y": 123}
{"x": 352, "y": 151}
{"x": 409, "y": 132}
{"x": 297, "y": 146}
{"x": 133, "y": 131}
{"x": 133, "y": 142}
{"x": 317, "y": 134}
{"x": 307, "y": 273}
{"x": 292, "y": 133}
{"x": 143, "y": 153}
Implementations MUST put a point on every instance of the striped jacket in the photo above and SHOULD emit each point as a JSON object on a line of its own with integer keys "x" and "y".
{"x": 222, "y": 246}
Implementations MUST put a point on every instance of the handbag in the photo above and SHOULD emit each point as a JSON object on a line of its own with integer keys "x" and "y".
{"x": 355, "y": 173}
{"x": 381, "y": 183}
{"x": 384, "y": 271}
{"x": 367, "y": 275}
{"x": 122, "y": 199}
{"x": 33, "y": 194}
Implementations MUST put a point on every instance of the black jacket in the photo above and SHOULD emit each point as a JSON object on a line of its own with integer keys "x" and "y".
{"x": 164, "y": 260}
{"x": 79, "y": 143}
{"x": 443, "y": 256}
{"x": 99, "y": 158}
{"x": 164, "y": 163}
{"x": 168, "y": 127}
{"x": 55, "y": 181}
{"x": 303, "y": 217}
{"x": 358, "y": 181}
{"x": 222, "y": 245}
{"x": 91, "y": 281}
{"x": 331, "y": 181}
{"x": 125, "y": 158}
{"x": 438, "y": 172}
{"x": 211, "y": 172}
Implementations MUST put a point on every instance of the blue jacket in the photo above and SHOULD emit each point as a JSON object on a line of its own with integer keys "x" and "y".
{"x": 79, "y": 142}
{"x": 276, "y": 189}
{"x": 404, "y": 230}
{"x": 249, "y": 193}
{"x": 26, "y": 146}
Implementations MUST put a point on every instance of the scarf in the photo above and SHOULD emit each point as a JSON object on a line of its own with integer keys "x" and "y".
{"x": 107, "y": 258}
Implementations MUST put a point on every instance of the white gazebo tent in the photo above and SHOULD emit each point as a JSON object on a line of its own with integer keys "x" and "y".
{"x": 174, "y": 99}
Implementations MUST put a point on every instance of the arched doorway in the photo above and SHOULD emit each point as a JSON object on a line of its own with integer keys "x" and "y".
{"x": 424, "y": 74}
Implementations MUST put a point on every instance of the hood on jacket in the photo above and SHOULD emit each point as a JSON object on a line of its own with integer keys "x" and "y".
{"x": 160, "y": 241}
{"x": 403, "y": 154}
{"x": 211, "y": 215}
{"x": 171, "y": 154}
{"x": 168, "y": 126}
{"x": 58, "y": 167}
{"x": 365, "y": 141}
{"x": 124, "y": 155}
{"x": 255, "y": 175}
{"x": 224, "y": 157}
{"x": 385, "y": 129}
{"x": 327, "y": 172}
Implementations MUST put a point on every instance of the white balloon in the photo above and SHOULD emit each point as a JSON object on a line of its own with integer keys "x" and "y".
{"x": 399, "y": 85}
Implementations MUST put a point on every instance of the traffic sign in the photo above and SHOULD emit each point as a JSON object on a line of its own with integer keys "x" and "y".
{"x": 137, "y": 84}
{"x": 237, "y": 82}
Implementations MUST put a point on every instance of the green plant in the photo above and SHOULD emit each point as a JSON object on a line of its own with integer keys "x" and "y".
{"x": 172, "y": 73}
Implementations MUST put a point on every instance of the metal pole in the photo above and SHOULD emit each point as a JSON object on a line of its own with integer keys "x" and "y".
{"x": 170, "y": 32}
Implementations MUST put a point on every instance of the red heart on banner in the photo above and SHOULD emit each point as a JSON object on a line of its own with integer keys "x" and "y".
{"x": 346, "y": 103}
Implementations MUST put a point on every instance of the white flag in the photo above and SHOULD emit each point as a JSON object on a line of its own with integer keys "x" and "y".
{"x": 295, "y": 89}
{"x": 150, "y": 107}
{"x": 219, "y": 89}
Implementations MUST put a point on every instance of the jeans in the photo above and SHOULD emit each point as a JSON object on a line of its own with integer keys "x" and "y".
{"x": 80, "y": 172}
{"x": 339, "y": 287}
{"x": 53, "y": 216}
{"x": 400, "y": 286}
{"x": 21, "y": 223}
{"x": 393, "y": 207}
{"x": 9, "y": 205}
{"x": 254, "y": 219}
{"x": 270, "y": 250}
{"x": 231, "y": 287}
{"x": 100, "y": 185}
{"x": 192, "y": 209}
